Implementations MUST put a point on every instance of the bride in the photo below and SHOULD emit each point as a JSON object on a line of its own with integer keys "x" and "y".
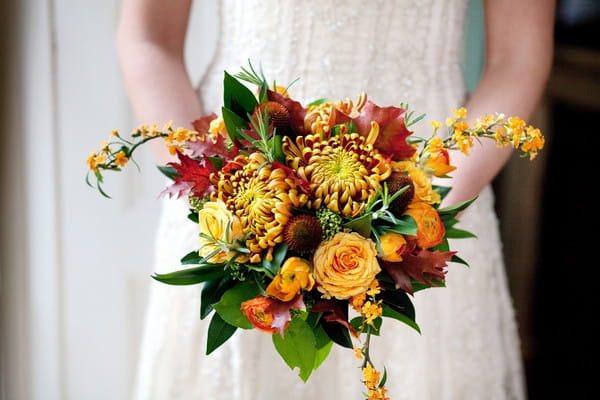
{"x": 396, "y": 51}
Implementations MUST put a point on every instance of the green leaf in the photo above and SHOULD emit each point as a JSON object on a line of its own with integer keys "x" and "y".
{"x": 391, "y": 313}
{"x": 362, "y": 225}
{"x": 399, "y": 301}
{"x": 229, "y": 305}
{"x": 193, "y": 216}
{"x": 455, "y": 233}
{"x": 168, "y": 171}
{"x": 237, "y": 97}
{"x": 219, "y": 332}
{"x": 212, "y": 292}
{"x": 406, "y": 225}
{"x": 357, "y": 323}
{"x": 338, "y": 333}
{"x": 323, "y": 344}
{"x": 233, "y": 123}
{"x": 456, "y": 208}
{"x": 191, "y": 258}
{"x": 298, "y": 347}
{"x": 191, "y": 276}
{"x": 278, "y": 257}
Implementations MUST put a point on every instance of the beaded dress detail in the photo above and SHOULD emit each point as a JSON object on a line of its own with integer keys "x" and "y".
{"x": 396, "y": 51}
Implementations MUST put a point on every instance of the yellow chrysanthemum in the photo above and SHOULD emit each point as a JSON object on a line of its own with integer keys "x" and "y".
{"x": 344, "y": 172}
{"x": 262, "y": 197}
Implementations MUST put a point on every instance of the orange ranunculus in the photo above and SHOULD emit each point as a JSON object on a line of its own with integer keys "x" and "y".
{"x": 345, "y": 265}
{"x": 392, "y": 246}
{"x": 430, "y": 228}
{"x": 256, "y": 311}
{"x": 421, "y": 182}
{"x": 437, "y": 158}
{"x": 295, "y": 274}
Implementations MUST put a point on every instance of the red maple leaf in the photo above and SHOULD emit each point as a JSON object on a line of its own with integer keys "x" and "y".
{"x": 193, "y": 177}
{"x": 207, "y": 144}
{"x": 392, "y": 129}
{"x": 333, "y": 312}
{"x": 422, "y": 267}
{"x": 281, "y": 312}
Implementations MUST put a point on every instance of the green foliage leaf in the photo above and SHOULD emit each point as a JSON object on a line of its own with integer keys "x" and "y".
{"x": 168, "y": 171}
{"x": 362, "y": 225}
{"x": 219, "y": 332}
{"x": 191, "y": 276}
{"x": 399, "y": 301}
{"x": 298, "y": 347}
{"x": 453, "y": 210}
{"x": 191, "y": 258}
{"x": 278, "y": 257}
{"x": 357, "y": 323}
{"x": 455, "y": 233}
{"x": 233, "y": 123}
{"x": 212, "y": 292}
{"x": 237, "y": 97}
{"x": 337, "y": 333}
{"x": 193, "y": 216}
{"x": 229, "y": 305}
{"x": 323, "y": 344}
{"x": 406, "y": 225}
{"x": 391, "y": 313}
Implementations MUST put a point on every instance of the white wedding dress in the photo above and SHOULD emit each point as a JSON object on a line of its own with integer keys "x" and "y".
{"x": 396, "y": 51}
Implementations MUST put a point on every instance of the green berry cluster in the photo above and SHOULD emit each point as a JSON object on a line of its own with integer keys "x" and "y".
{"x": 330, "y": 221}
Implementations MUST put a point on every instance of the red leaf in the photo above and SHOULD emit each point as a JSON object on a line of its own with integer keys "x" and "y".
{"x": 392, "y": 130}
{"x": 281, "y": 312}
{"x": 193, "y": 177}
{"x": 296, "y": 110}
{"x": 423, "y": 267}
{"x": 333, "y": 312}
{"x": 208, "y": 144}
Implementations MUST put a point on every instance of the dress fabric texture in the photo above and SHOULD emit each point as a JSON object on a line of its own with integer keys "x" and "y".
{"x": 395, "y": 51}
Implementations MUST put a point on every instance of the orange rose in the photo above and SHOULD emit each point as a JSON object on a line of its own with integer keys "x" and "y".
{"x": 295, "y": 274}
{"x": 430, "y": 228}
{"x": 392, "y": 246}
{"x": 345, "y": 265}
{"x": 255, "y": 310}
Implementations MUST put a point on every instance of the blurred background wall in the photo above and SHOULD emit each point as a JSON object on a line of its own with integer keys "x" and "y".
{"x": 74, "y": 267}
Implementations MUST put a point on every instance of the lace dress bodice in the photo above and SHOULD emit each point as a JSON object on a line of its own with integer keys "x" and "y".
{"x": 395, "y": 51}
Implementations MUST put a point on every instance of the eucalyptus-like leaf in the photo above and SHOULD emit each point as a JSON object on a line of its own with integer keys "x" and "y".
{"x": 211, "y": 293}
{"x": 237, "y": 97}
{"x": 168, "y": 171}
{"x": 228, "y": 306}
{"x": 191, "y": 276}
{"x": 219, "y": 331}
{"x": 298, "y": 347}
{"x": 390, "y": 312}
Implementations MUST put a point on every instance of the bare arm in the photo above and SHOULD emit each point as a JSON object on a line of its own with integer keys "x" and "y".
{"x": 150, "y": 39}
{"x": 518, "y": 59}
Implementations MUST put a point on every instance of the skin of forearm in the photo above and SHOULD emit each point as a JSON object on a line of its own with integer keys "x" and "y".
{"x": 159, "y": 89}
{"x": 504, "y": 90}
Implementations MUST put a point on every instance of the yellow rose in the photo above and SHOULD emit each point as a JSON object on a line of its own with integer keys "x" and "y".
{"x": 430, "y": 228}
{"x": 392, "y": 245}
{"x": 295, "y": 274}
{"x": 345, "y": 265}
{"x": 217, "y": 222}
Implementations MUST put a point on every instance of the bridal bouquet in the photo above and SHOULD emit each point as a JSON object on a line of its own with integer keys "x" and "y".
{"x": 316, "y": 222}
